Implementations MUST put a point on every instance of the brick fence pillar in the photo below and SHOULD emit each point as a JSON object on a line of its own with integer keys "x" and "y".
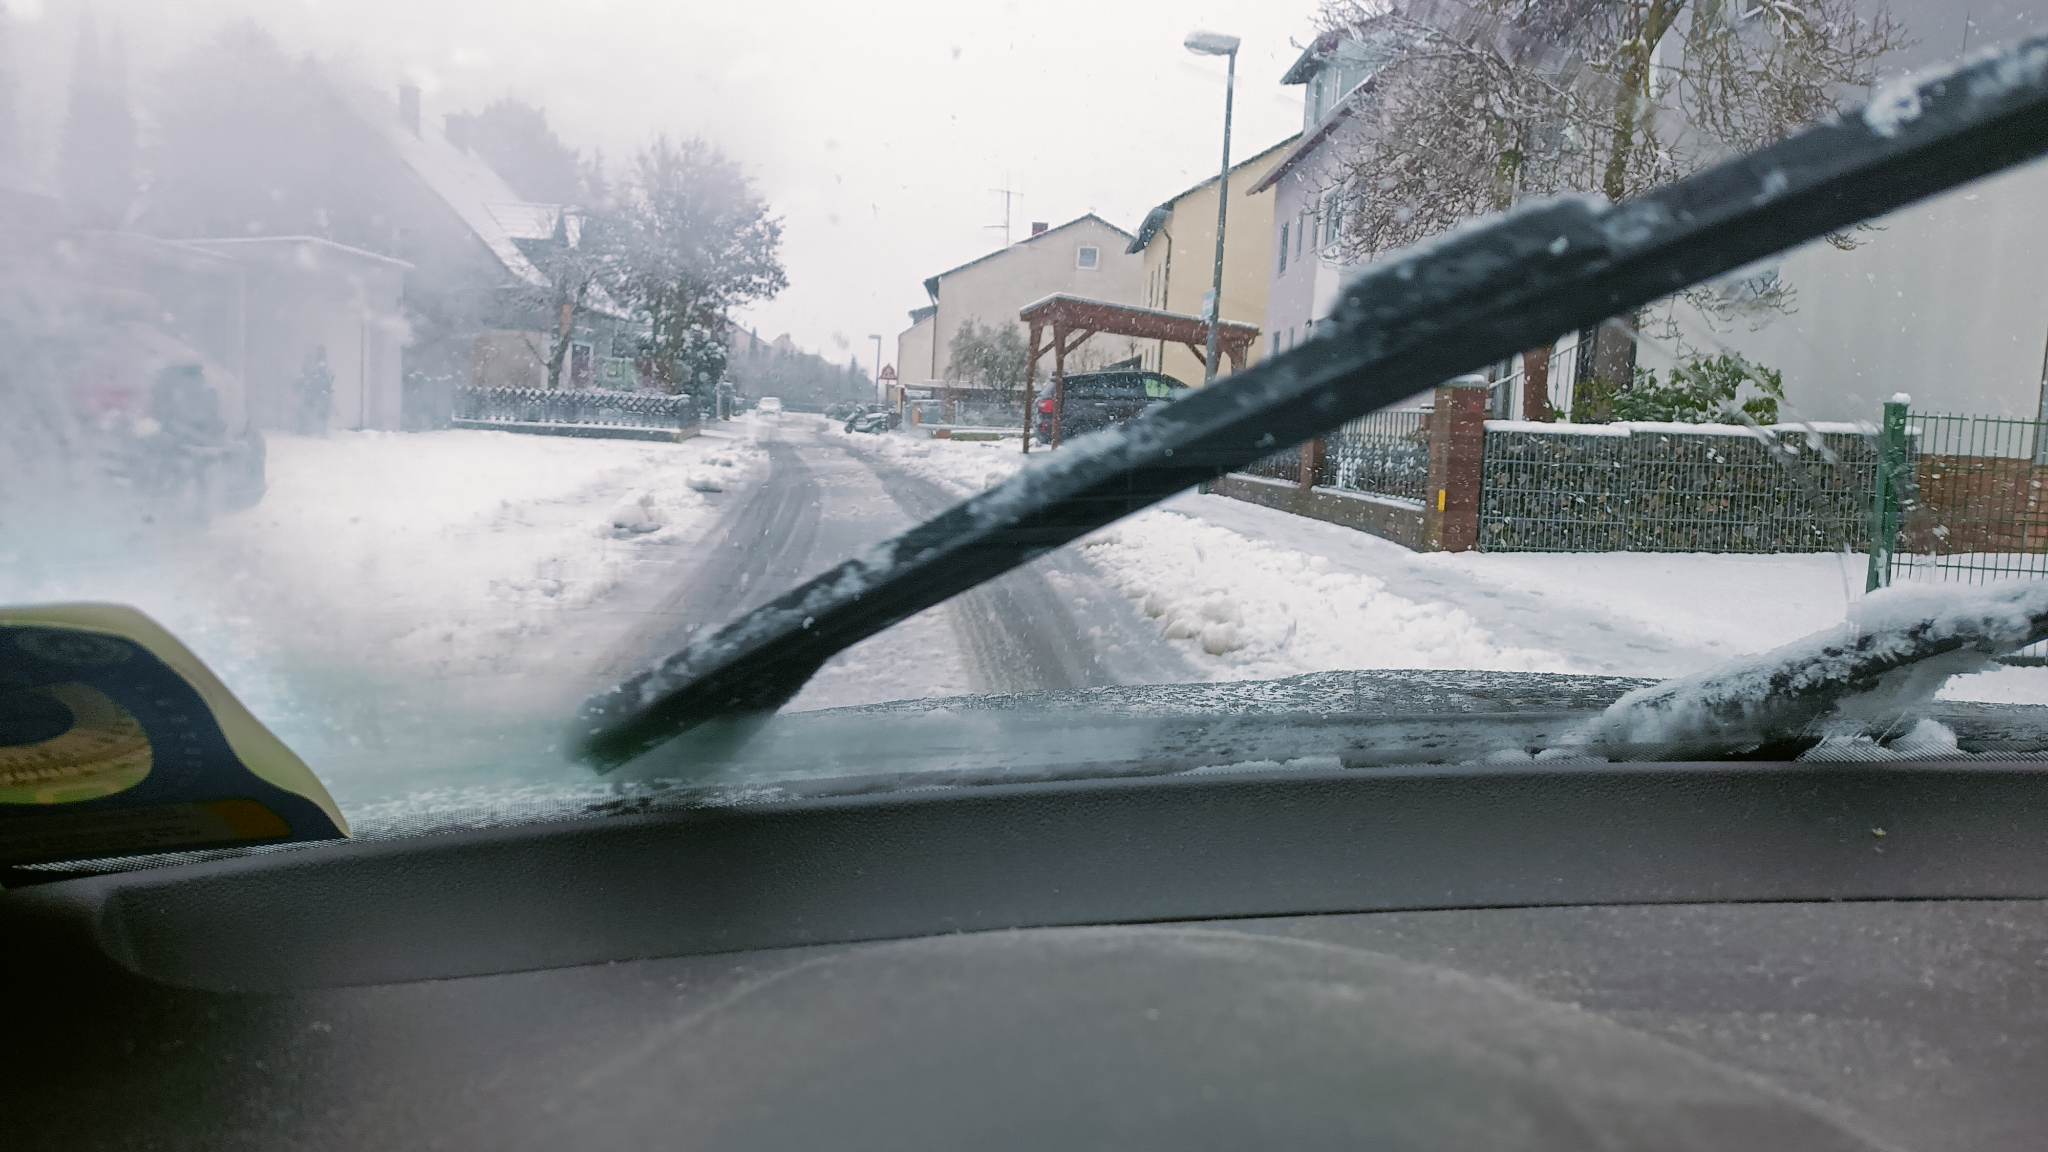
{"x": 1457, "y": 460}
{"x": 1311, "y": 463}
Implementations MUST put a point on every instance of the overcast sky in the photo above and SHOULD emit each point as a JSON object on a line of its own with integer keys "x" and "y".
{"x": 878, "y": 131}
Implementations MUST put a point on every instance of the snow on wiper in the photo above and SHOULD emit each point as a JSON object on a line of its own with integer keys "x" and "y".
{"x": 1861, "y": 678}
{"x": 1404, "y": 324}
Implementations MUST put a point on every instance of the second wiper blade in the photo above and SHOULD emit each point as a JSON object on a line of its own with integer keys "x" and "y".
{"x": 1454, "y": 305}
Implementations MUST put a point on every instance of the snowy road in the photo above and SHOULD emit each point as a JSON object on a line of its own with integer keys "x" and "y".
{"x": 1056, "y": 624}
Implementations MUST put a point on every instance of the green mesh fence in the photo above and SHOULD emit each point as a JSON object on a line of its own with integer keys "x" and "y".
{"x": 1675, "y": 488}
{"x": 1966, "y": 504}
{"x": 1972, "y": 500}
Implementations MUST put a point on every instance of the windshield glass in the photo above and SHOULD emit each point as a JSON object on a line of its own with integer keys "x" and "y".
{"x": 428, "y": 368}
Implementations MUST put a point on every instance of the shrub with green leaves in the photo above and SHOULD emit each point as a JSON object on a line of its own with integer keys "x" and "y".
{"x": 1706, "y": 390}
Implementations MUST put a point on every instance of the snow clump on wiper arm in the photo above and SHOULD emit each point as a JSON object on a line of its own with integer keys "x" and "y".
{"x": 1863, "y": 676}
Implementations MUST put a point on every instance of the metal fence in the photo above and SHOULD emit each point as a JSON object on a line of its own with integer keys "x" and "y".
{"x": 1962, "y": 502}
{"x": 1675, "y": 488}
{"x": 1385, "y": 454}
{"x": 1282, "y": 465}
{"x": 1975, "y": 510}
{"x": 570, "y": 407}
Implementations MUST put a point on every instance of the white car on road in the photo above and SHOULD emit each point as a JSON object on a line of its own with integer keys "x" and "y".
{"x": 770, "y": 406}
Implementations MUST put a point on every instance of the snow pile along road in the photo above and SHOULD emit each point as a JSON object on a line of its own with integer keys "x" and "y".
{"x": 962, "y": 466}
{"x": 1248, "y": 610}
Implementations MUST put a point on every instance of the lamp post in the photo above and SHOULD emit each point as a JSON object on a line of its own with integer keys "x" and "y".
{"x": 1218, "y": 44}
{"x": 877, "y": 338}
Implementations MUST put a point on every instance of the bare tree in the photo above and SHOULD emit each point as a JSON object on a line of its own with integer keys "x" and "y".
{"x": 1472, "y": 105}
{"x": 991, "y": 357}
{"x": 584, "y": 251}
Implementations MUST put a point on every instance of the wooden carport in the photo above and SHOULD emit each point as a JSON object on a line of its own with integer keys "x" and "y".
{"x": 1070, "y": 320}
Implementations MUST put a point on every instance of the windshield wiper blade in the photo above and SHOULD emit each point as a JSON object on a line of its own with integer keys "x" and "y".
{"x": 1896, "y": 651}
{"x": 1453, "y": 305}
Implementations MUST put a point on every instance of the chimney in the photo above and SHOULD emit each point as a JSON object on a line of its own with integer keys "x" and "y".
{"x": 455, "y": 126}
{"x": 1038, "y": 226}
{"x": 409, "y": 106}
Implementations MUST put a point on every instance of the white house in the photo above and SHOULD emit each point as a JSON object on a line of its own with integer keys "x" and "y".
{"x": 1946, "y": 301}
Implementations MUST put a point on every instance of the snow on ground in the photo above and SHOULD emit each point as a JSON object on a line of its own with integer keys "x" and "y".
{"x": 1250, "y": 592}
{"x": 441, "y": 554}
{"x": 965, "y": 466}
{"x": 1259, "y": 612}
{"x": 455, "y": 550}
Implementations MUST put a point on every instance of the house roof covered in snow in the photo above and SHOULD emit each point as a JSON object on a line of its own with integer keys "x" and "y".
{"x": 496, "y": 214}
{"x": 307, "y": 252}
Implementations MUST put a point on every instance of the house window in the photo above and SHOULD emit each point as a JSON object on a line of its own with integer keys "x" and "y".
{"x": 1333, "y": 221}
{"x": 1087, "y": 256}
{"x": 1301, "y": 233}
{"x": 1283, "y": 248}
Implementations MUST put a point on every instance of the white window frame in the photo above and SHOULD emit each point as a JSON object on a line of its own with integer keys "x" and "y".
{"x": 1088, "y": 250}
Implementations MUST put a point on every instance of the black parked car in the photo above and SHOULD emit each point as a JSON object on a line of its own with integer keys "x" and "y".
{"x": 1098, "y": 400}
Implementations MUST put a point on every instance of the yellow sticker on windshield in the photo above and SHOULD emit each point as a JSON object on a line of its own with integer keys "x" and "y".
{"x": 115, "y": 740}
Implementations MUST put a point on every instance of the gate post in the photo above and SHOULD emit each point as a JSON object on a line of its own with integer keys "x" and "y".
{"x": 1457, "y": 465}
{"x": 1885, "y": 503}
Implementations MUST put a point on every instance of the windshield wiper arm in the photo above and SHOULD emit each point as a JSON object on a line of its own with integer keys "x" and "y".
{"x": 1897, "y": 650}
{"x": 1453, "y": 305}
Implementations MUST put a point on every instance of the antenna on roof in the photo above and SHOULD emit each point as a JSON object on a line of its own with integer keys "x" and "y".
{"x": 1008, "y": 195}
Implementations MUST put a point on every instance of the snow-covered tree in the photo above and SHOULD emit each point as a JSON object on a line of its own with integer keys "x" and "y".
{"x": 694, "y": 242}
{"x": 1472, "y": 105}
{"x": 97, "y": 168}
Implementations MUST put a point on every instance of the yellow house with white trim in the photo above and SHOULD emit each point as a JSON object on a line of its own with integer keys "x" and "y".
{"x": 1178, "y": 243}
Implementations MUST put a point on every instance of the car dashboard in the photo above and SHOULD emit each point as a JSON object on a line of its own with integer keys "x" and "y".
{"x": 1533, "y": 957}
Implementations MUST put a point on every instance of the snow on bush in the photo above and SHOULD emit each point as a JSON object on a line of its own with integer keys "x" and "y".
{"x": 705, "y": 482}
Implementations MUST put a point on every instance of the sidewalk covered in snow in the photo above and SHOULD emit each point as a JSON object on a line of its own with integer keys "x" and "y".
{"x": 1071, "y": 320}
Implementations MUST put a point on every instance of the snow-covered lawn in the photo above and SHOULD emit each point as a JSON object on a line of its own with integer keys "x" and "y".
{"x": 1251, "y": 592}
{"x": 411, "y": 556}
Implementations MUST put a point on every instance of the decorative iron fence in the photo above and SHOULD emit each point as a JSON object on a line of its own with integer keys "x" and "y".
{"x": 1384, "y": 454}
{"x": 1675, "y": 488}
{"x": 562, "y": 406}
{"x": 1281, "y": 465}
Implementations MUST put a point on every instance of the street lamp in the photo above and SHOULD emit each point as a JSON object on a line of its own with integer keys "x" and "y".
{"x": 877, "y": 338}
{"x": 1218, "y": 44}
